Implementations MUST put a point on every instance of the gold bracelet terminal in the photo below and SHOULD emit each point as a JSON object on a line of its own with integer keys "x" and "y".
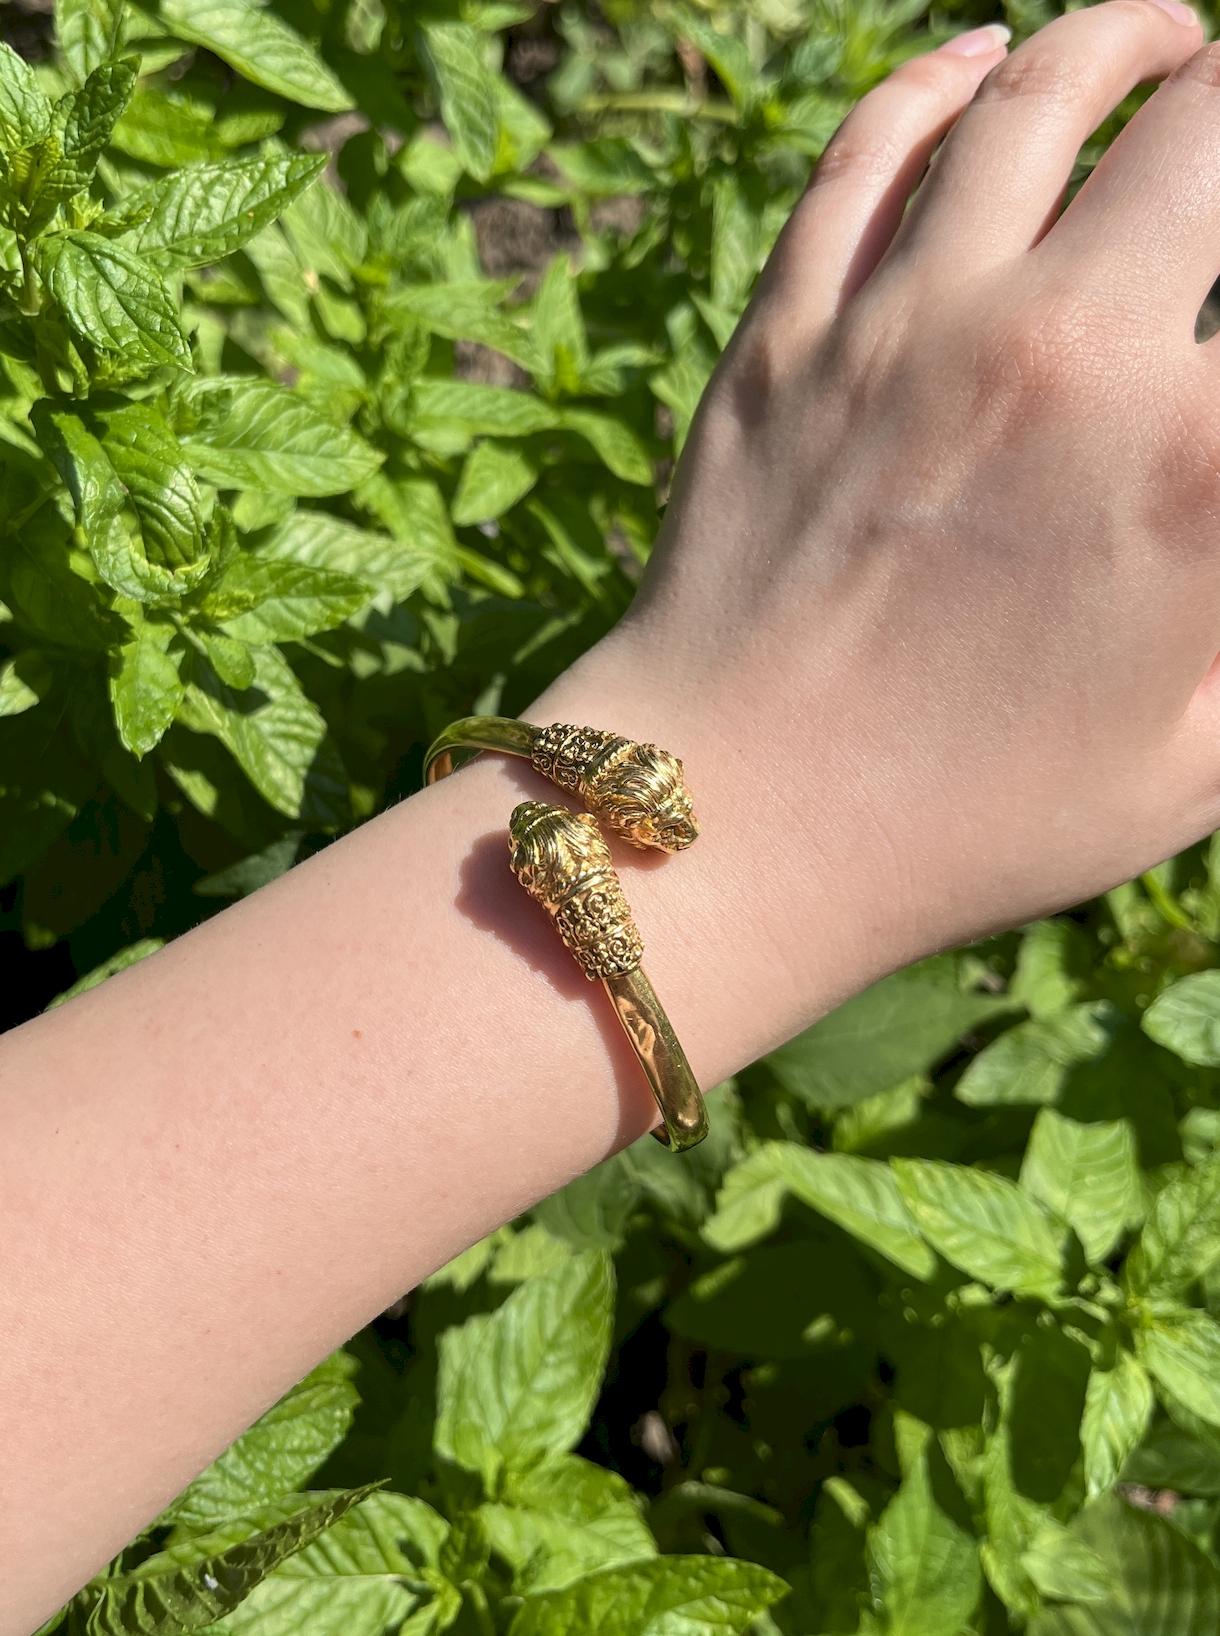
{"x": 562, "y": 860}
{"x": 637, "y": 790}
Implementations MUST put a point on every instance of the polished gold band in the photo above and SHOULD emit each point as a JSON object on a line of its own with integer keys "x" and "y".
{"x": 561, "y": 858}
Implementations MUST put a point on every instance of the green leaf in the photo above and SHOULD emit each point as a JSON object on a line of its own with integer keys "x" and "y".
{"x": 516, "y": 1385}
{"x": 145, "y": 687}
{"x": 464, "y": 311}
{"x": 494, "y": 478}
{"x": 88, "y": 32}
{"x": 899, "y": 1027}
{"x": 923, "y": 1561}
{"x": 1181, "y": 1237}
{"x": 983, "y": 1224}
{"x": 1160, "y": 1584}
{"x": 1181, "y": 1351}
{"x": 188, "y": 1586}
{"x": 616, "y": 445}
{"x": 1031, "y": 1064}
{"x": 25, "y": 113}
{"x": 260, "y": 599}
{"x": 1185, "y": 1019}
{"x": 65, "y": 160}
{"x": 376, "y": 1567}
{"x": 478, "y": 410}
{"x": 859, "y": 1195}
{"x": 563, "y": 1519}
{"x": 130, "y": 956}
{"x": 261, "y": 46}
{"x": 273, "y": 731}
{"x": 24, "y": 680}
{"x": 318, "y": 540}
{"x": 137, "y": 506}
{"x": 453, "y": 57}
{"x": 1087, "y": 1174}
{"x": 1117, "y": 1410}
{"x": 669, "y": 1596}
{"x": 277, "y": 1454}
{"x": 113, "y": 300}
{"x": 559, "y": 328}
{"x": 199, "y": 214}
{"x": 251, "y": 434}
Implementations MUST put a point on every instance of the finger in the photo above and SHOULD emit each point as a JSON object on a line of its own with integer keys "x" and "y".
{"x": 1147, "y": 221}
{"x": 860, "y": 186}
{"x": 1007, "y": 160}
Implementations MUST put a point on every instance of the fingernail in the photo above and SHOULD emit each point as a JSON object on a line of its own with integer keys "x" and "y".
{"x": 993, "y": 36}
{"x": 1179, "y": 12}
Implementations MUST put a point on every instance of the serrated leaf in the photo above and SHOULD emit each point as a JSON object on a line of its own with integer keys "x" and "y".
{"x": 478, "y": 410}
{"x": 464, "y": 311}
{"x": 203, "y": 212}
{"x": 88, "y": 32}
{"x": 516, "y": 1385}
{"x": 112, "y": 299}
{"x": 319, "y": 540}
{"x": 983, "y": 1224}
{"x": 1031, "y": 1063}
{"x": 273, "y": 731}
{"x": 899, "y": 1027}
{"x": 1086, "y": 1173}
{"x": 494, "y": 477}
{"x": 859, "y": 1195}
{"x": 137, "y": 507}
{"x": 64, "y": 162}
{"x": 261, "y": 599}
{"x": 1160, "y": 1583}
{"x": 1117, "y": 1410}
{"x": 277, "y": 1454}
{"x": 25, "y": 113}
{"x": 145, "y": 687}
{"x": 188, "y": 1586}
{"x": 618, "y": 447}
{"x": 252, "y": 434}
{"x": 1182, "y": 1353}
{"x": 563, "y": 1519}
{"x": 453, "y": 57}
{"x": 670, "y": 1596}
{"x": 1185, "y": 1019}
{"x": 1181, "y": 1238}
{"x": 376, "y": 1567}
{"x": 923, "y": 1561}
{"x": 261, "y": 46}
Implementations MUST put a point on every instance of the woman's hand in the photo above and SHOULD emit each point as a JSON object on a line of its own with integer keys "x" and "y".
{"x": 937, "y": 599}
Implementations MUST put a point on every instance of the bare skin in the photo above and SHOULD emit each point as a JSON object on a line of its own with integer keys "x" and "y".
{"x": 932, "y": 623}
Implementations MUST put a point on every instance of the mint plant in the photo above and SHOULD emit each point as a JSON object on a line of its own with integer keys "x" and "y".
{"x": 345, "y": 349}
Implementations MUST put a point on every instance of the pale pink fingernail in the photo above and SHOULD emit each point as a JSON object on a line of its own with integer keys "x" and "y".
{"x": 981, "y": 40}
{"x": 1179, "y": 12}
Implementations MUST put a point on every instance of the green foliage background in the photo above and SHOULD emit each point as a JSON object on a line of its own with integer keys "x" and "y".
{"x": 345, "y": 348}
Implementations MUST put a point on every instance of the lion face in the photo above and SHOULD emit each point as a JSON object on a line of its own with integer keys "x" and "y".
{"x": 642, "y": 796}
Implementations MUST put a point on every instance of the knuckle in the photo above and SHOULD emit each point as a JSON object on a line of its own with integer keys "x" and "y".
{"x": 1033, "y": 363}
{"x": 1037, "y": 72}
{"x": 1203, "y": 68}
{"x": 863, "y": 148}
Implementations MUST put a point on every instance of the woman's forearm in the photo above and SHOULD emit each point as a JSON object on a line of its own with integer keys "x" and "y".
{"x": 218, "y": 1167}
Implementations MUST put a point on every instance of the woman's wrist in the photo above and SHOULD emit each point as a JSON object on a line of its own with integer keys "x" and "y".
{"x": 762, "y": 925}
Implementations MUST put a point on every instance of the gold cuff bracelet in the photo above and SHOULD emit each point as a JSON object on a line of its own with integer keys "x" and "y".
{"x": 562, "y": 860}
{"x": 637, "y": 790}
